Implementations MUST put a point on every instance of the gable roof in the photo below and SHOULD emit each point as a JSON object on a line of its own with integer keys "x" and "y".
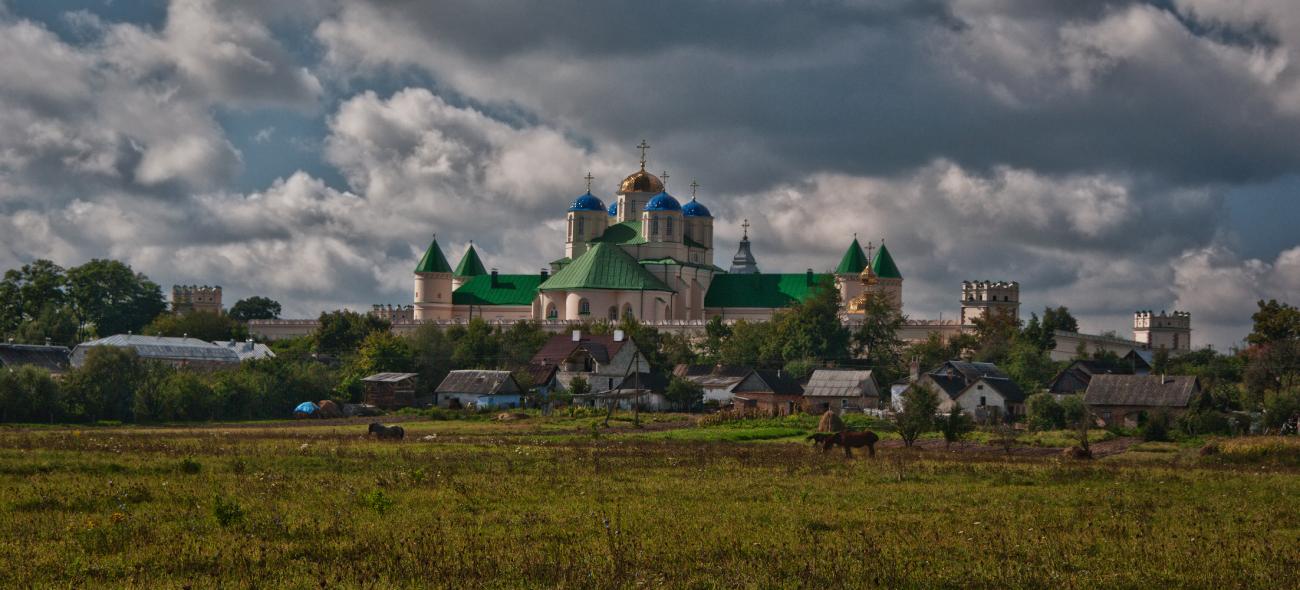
{"x": 1076, "y": 376}
{"x": 480, "y": 382}
{"x": 883, "y": 265}
{"x": 507, "y": 290}
{"x": 1141, "y": 358}
{"x": 433, "y": 260}
{"x": 389, "y": 377}
{"x": 1004, "y": 387}
{"x": 1141, "y": 390}
{"x": 769, "y": 381}
{"x": 841, "y": 383}
{"x": 163, "y": 347}
{"x": 470, "y": 265}
{"x": 853, "y": 261}
{"x": 560, "y": 347}
{"x": 969, "y": 371}
{"x": 604, "y": 266}
{"x": 760, "y": 290}
{"x": 951, "y": 386}
{"x": 713, "y": 376}
{"x": 51, "y": 358}
{"x": 653, "y": 382}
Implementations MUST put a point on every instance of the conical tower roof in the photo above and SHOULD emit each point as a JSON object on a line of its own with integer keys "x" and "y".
{"x": 433, "y": 260}
{"x": 883, "y": 265}
{"x": 853, "y": 260}
{"x": 470, "y": 265}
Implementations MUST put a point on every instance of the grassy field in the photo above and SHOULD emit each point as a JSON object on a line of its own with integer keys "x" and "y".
{"x": 557, "y": 503}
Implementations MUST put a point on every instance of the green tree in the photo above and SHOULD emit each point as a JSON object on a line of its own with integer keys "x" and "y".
{"x": 877, "y": 339}
{"x": 933, "y": 351}
{"x": 341, "y": 332}
{"x": 29, "y": 394}
{"x": 383, "y": 352}
{"x": 1043, "y": 412}
{"x": 431, "y": 352}
{"x": 103, "y": 388}
{"x": 197, "y": 324}
{"x": 715, "y": 333}
{"x": 255, "y": 308}
{"x": 1028, "y": 365}
{"x": 113, "y": 298}
{"x": 30, "y": 291}
{"x": 995, "y": 333}
{"x": 954, "y": 425}
{"x": 478, "y": 347}
{"x": 812, "y": 327}
{"x": 520, "y": 343}
{"x": 750, "y": 345}
{"x": 684, "y": 393}
{"x": 58, "y": 325}
{"x": 1274, "y": 322}
{"x": 917, "y": 415}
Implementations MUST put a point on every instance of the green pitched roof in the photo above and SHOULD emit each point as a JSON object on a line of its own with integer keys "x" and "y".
{"x": 853, "y": 260}
{"x": 604, "y": 266}
{"x": 509, "y": 290}
{"x": 760, "y": 290}
{"x": 883, "y": 265}
{"x": 628, "y": 232}
{"x": 433, "y": 260}
{"x": 470, "y": 265}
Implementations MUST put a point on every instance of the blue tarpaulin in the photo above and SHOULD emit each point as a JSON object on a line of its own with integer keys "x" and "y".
{"x": 306, "y": 408}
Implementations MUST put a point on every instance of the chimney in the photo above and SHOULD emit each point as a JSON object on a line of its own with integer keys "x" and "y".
{"x": 494, "y": 278}
{"x": 546, "y": 273}
{"x": 810, "y": 276}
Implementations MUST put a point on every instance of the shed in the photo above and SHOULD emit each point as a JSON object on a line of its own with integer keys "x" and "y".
{"x": 1127, "y": 399}
{"x": 840, "y": 389}
{"x": 51, "y": 358}
{"x": 390, "y": 390}
{"x": 479, "y": 389}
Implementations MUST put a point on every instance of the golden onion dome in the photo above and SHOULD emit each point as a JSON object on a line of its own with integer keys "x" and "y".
{"x": 868, "y": 276}
{"x": 641, "y": 182}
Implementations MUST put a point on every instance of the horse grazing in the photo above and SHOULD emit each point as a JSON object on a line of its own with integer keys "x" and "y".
{"x": 848, "y": 440}
{"x": 381, "y": 431}
{"x": 818, "y": 438}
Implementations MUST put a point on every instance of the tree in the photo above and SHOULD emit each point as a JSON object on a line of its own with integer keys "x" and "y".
{"x": 103, "y": 388}
{"x": 995, "y": 332}
{"x": 812, "y": 327}
{"x": 341, "y": 332}
{"x": 1028, "y": 365}
{"x": 933, "y": 351}
{"x": 715, "y": 333}
{"x": 203, "y": 325}
{"x": 1274, "y": 322}
{"x": 1043, "y": 412}
{"x": 113, "y": 298}
{"x": 684, "y": 393}
{"x": 478, "y": 347}
{"x": 431, "y": 350}
{"x": 917, "y": 416}
{"x": 29, "y": 394}
{"x": 750, "y": 345}
{"x": 58, "y": 325}
{"x": 579, "y": 386}
{"x": 877, "y": 339}
{"x": 28, "y": 292}
{"x": 954, "y": 425}
{"x": 255, "y": 308}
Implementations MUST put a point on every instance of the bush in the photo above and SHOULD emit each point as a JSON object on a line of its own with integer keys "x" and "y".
{"x": 1203, "y": 422}
{"x": 1156, "y": 427}
{"x": 377, "y": 500}
{"x": 226, "y": 511}
{"x": 955, "y": 425}
{"x": 190, "y": 466}
{"x": 1044, "y": 413}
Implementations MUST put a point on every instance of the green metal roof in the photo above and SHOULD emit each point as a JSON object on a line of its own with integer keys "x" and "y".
{"x": 433, "y": 260}
{"x": 853, "y": 261}
{"x": 674, "y": 261}
{"x": 628, "y": 232}
{"x": 470, "y": 265}
{"x": 508, "y": 290}
{"x": 760, "y": 290}
{"x": 604, "y": 266}
{"x": 883, "y": 265}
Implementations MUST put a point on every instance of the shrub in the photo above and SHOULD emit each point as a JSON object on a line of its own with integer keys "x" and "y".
{"x": 917, "y": 415}
{"x": 190, "y": 466}
{"x": 955, "y": 425}
{"x": 1044, "y": 413}
{"x": 226, "y": 511}
{"x": 377, "y": 500}
{"x": 1156, "y": 427}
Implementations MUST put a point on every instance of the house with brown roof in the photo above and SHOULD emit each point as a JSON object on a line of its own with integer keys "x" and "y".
{"x": 604, "y": 360}
{"x": 771, "y": 392}
{"x": 1125, "y": 400}
{"x": 840, "y": 389}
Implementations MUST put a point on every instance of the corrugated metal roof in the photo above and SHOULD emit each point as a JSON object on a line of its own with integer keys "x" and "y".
{"x": 508, "y": 290}
{"x": 760, "y": 290}
{"x": 481, "y": 382}
{"x": 841, "y": 383}
{"x": 389, "y": 377}
{"x": 50, "y": 358}
{"x": 1141, "y": 390}
{"x": 165, "y": 348}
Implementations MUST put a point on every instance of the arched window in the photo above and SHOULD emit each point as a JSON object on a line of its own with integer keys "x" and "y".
{"x": 582, "y": 227}
{"x": 670, "y": 227}
{"x": 584, "y": 307}
{"x": 654, "y": 226}
{"x": 627, "y": 312}
{"x": 570, "y": 227}
{"x": 613, "y": 313}
{"x": 550, "y": 311}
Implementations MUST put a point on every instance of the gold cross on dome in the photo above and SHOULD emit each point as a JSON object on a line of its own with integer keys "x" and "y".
{"x": 694, "y": 186}
{"x": 643, "y": 147}
{"x": 589, "y": 178}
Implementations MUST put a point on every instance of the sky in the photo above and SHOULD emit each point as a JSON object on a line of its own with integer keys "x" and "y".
{"x": 1111, "y": 156}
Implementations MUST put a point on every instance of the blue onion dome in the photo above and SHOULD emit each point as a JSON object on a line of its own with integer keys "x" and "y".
{"x": 613, "y": 209}
{"x": 663, "y": 202}
{"x": 694, "y": 209}
{"x": 587, "y": 202}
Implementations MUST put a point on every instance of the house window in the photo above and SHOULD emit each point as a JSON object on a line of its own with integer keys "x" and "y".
{"x": 983, "y": 402}
{"x": 584, "y": 307}
{"x": 669, "y": 221}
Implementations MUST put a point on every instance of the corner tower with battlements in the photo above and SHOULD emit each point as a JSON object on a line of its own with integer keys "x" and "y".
{"x": 980, "y": 298}
{"x": 1172, "y": 332}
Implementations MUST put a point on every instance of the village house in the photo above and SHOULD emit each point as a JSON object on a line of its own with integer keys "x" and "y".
{"x": 51, "y": 358}
{"x": 479, "y": 389}
{"x": 190, "y": 353}
{"x": 840, "y": 390}
{"x": 389, "y": 390}
{"x": 645, "y": 390}
{"x": 717, "y": 381}
{"x": 1126, "y": 400}
{"x": 771, "y": 392}
{"x": 981, "y": 389}
{"x": 604, "y": 360}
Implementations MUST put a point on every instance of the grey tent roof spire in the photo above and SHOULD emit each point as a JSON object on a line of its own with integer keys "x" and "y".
{"x": 743, "y": 262}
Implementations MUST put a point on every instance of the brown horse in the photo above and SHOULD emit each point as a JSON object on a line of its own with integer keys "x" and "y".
{"x": 818, "y": 438}
{"x": 848, "y": 440}
{"x": 392, "y": 432}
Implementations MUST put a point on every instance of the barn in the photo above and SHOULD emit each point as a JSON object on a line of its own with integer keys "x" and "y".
{"x": 390, "y": 390}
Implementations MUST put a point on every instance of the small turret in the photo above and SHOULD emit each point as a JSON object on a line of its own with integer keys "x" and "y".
{"x": 433, "y": 285}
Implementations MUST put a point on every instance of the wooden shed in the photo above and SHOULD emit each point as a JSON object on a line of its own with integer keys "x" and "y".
{"x": 390, "y": 390}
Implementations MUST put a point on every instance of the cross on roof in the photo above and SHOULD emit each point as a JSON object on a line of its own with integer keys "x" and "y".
{"x": 643, "y": 147}
{"x": 870, "y": 246}
{"x": 589, "y": 178}
{"x": 746, "y": 226}
{"x": 694, "y": 186}
{"x": 664, "y": 177}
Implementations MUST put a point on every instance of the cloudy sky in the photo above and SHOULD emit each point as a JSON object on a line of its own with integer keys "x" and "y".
{"x": 1109, "y": 155}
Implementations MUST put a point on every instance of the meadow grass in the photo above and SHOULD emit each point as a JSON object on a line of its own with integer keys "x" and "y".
{"x": 547, "y": 503}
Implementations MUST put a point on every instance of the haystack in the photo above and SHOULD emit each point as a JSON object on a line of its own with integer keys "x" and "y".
{"x": 328, "y": 409}
{"x": 830, "y": 422}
